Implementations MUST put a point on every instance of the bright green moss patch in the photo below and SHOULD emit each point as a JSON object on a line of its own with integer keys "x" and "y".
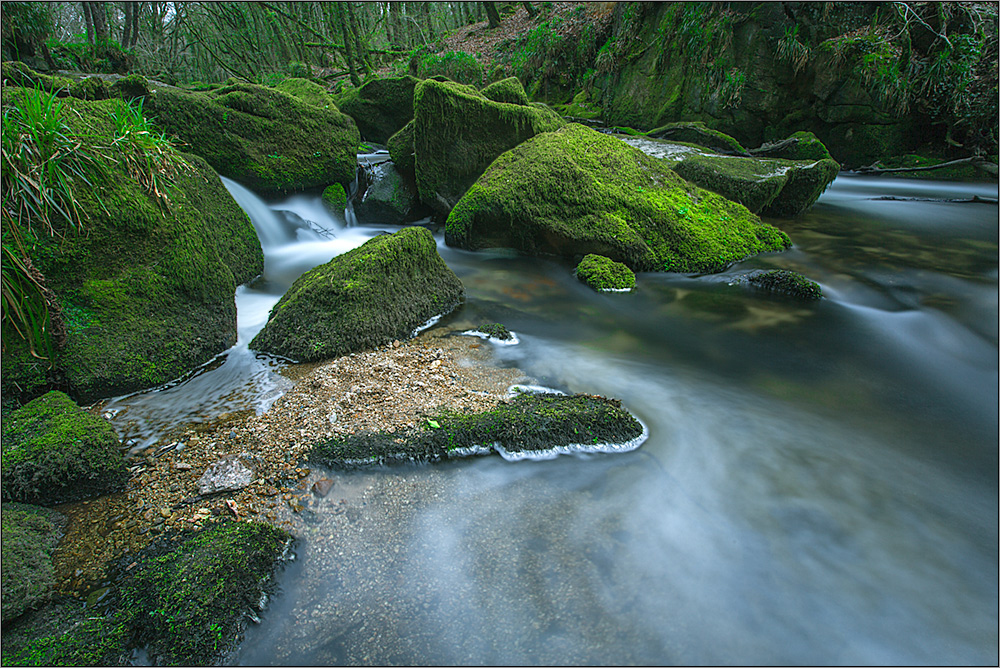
{"x": 458, "y": 133}
{"x": 309, "y": 92}
{"x": 528, "y": 423}
{"x": 267, "y": 140}
{"x": 53, "y": 452}
{"x": 374, "y": 294}
{"x": 576, "y": 191}
{"x": 401, "y": 149}
{"x": 495, "y": 331}
{"x": 603, "y": 274}
{"x": 381, "y": 107}
{"x": 30, "y": 535}
{"x": 784, "y": 282}
{"x": 66, "y": 633}
{"x": 509, "y": 91}
{"x": 458, "y": 66}
{"x": 700, "y": 134}
{"x": 334, "y": 198}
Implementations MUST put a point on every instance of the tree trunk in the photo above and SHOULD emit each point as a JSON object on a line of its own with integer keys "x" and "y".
{"x": 395, "y": 28}
{"x": 99, "y": 20}
{"x": 530, "y": 8}
{"x": 492, "y": 14}
{"x": 348, "y": 50}
{"x": 358, "y": 46}
{"x": 88, "y": 21}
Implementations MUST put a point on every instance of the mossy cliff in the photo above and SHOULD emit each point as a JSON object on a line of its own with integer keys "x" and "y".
{"x": 381, "y": 107}
{"x": 30, "y": 535}
{"x": 146, "y": 290}
{"x": 457, "y": 133}
{"x": 576, "y": 191}
{"x": 54, "y": 452}
{"x": 269, "y": 141}
{"x": 371, "y": 295}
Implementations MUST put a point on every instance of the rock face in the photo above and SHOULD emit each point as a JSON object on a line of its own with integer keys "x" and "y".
{"x": 54, "y": 452}
{"x": 457, "y": 134}
{"x": 269, "y": 141}
{"x": 381, "y": 107}
{"x": 604, "y": 275}
{"x": 371, "y": 295}
{"x": 146, "y": 292}
{"x": 30, "y": 535}
{"x": 576, "y": 191}
{"x": 389, "y": 198}
{"x": 401, "y": 149}
{"x": 227, "y": 475}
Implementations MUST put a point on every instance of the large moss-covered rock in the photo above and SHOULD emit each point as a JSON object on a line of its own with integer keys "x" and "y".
{"x": 699, "y": 134}
{"x": 381, "y": 107}
{"x": 185, "y": 599}
{"x": 53, "y": 451}
{"x": 376, "y": 293}
{"x": 769, "y": 186}
{"x": 509, "y": 91}
{"x": 389, "y": 198}
{"x": 267, "y": 140}
{"x": 798, "y": 146}
{"x": 401, "y": 149}
{"x": 146, "y": 292}
{"x": 576, "y": 191}
{"x": 605, "y": 275}
{"x": 309, "y": 92}
{"x": 458, "y": 133}
{"x": 30, "y": 535}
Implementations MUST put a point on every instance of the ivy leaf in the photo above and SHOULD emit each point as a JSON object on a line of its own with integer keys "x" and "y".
{"x": 433, "y": 425}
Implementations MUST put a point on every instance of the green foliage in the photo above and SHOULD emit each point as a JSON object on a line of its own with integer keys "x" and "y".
{"x": 53, "y": 452}
{"x": 371, "y": 295}
{"x": 148, "y": 155}
{"x": 103, "y": 57}
{"x": 526, "y": 423}
{"x": 30, "y": 535}
{"x": 455, "y": 65}
{"x": 604, "y": 274}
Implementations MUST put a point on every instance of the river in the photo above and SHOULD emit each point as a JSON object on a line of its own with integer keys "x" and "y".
{"x": 819, "y": 486}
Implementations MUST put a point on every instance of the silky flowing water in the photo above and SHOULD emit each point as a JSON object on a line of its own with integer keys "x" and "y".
{"x": 819, "y": 484}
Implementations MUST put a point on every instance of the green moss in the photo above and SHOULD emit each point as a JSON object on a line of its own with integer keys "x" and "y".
{"x": 30, "y": 535}
{"x": 381, "y": 107}
{"x": 495, "y": 331}
{"x": 753, "y": 182}
{"x": 335, "y": 198}
{"x": 53, "y": 452}
{"x": 576, "y": 191}
{"x": 267, "y": 140}
{"x": 509, "y": 91}
{"x": 18, "y": 74}
{"x": 527, "y": 423}
{"x": 698, "y": 133}
{"x": 401, "y": 149}
{"x": 309, "y": 92}
{"x": 458, "y": 133}
{"x": 371, "y": 295}
{"x": 457, "y": 66}
{"x": 66, "y": 633}
{"x": 806, "y": 182}
{"x": 131, "y": 87}
{"x": 799, "y": 146}
{"x": 91, "y": 88}
{"x": 789, "y": 283}
{"x": 603, "y": 274}
{"x": 580, "y": 107}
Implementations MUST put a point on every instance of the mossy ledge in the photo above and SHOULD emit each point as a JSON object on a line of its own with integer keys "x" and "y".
{"x": 605, "y": 275}
{"x": 185, "y": 599}
{"x": 576, "y": 191}
{"x": 527, "y": 426}
{"x": 54, "y": 452}
{"x": 371, "y": 295}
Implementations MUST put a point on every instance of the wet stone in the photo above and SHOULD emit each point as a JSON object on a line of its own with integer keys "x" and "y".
{"x": 322, "y": 487}
{"x": 226, "y": 475}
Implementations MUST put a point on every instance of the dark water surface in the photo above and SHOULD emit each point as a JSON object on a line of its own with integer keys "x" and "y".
{"x": 819, "y": 486}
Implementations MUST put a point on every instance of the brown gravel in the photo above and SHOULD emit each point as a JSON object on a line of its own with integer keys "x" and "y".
{"x": 384, "y": 389}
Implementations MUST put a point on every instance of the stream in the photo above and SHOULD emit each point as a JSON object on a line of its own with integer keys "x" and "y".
{"x": 819, "y": 486}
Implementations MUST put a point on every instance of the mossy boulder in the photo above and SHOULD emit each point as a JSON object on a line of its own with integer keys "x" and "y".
{"x": 268, "y": 140}
{"x": 389, "y": 198}
{"x": 495, "y": 330}
{"x": 380, "y": 107}
{"x": 457, "y": 66}
{"x": 458, "y": 133}
{"x": 770, "y": 186}
{"x": 799, "y": 146}
{"x": 146, "y": 291}
{"x": 185, "y": 599}
{"x": 605, "y": 275}
{"x": 577, "y": 191}
{"x": 527, "y": 424}
{"x": 401, "y": 149}
{"x": 509, "y": 91}
{"x": 784, "y": 282}
{"x": 308, "y": 91}
{"x": 334, "y": 198}
{"x": 699, "y": 134}
{"x": 30, "y": 535}
{"x": 374, "y": 294}
{"x": 53, "y": 452}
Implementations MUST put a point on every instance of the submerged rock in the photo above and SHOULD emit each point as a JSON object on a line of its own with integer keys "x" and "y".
{"x": 54, "y": 452}
{"x": 30, "y": 535}
{"x": 575, "y": 191}
{"x": 605, "y": 275}
{"x": 527, "y": 426}
{"x": 380, "y": 107}
{"x": 227, "y": 475}
{"x": 783, "y": 282}
{"x": 458, "y": 132}
{"x": 374, "y": 294}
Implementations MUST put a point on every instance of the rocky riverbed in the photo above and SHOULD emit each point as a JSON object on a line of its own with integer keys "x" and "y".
{"x": 384, "y": 389}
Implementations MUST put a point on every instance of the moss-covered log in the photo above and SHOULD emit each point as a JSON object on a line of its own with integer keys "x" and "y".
{"x": 376, "y": 293}
{"x": 576, "y": 191}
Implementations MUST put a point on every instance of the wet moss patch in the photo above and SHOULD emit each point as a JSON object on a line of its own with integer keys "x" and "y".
{"x": 30, "y": 535}
{"x": 699, "y": 134}
{"x": 67, "y": 633}
{"x": 576, "y": 191}
{"x": 604, "y": 274}
{"x": 381, "y": 107}
{"x": 508, "y": 91}
{"x": 309, "y": 92}
{"x": 53, "y": 452}
{"x": 371, "y": 295}
{"x": 527, "y": 424}
{"x": 798, "y": 146}
{"x": 334, "y": 198}
{"x": 784, "y": 282}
